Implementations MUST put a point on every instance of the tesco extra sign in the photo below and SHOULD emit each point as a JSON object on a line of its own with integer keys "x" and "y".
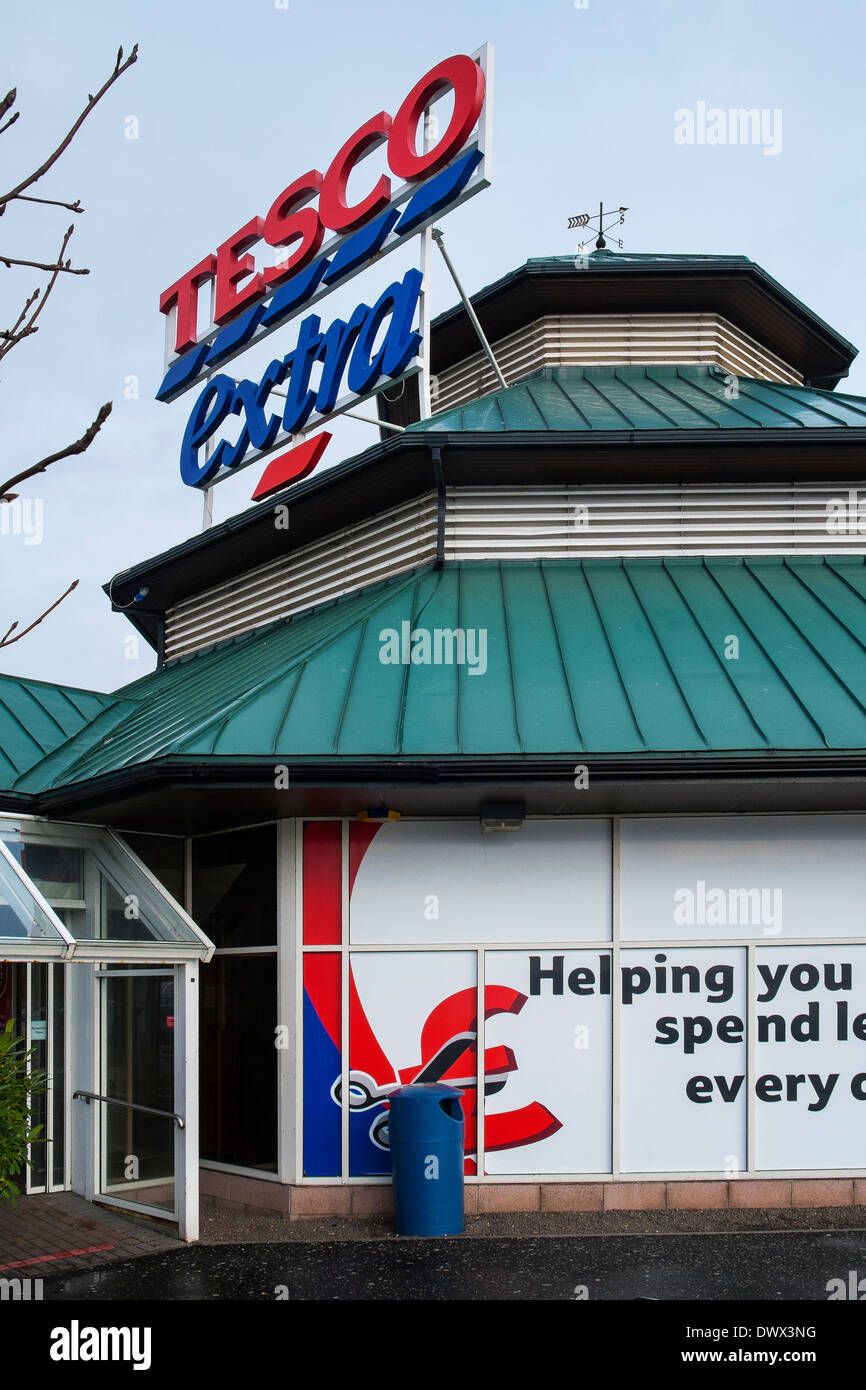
{"x": 278, "y": 264}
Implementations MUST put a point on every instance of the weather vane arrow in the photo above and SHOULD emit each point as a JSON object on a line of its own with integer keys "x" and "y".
{"x": 582, "y": 220}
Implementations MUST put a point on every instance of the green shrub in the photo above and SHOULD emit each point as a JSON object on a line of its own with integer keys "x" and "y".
{"x": 16, "y": 1129}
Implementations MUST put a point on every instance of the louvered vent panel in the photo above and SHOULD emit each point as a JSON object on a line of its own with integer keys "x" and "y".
{"x": 546, "y": 522}
{"x": 527, "y": 523}
{"x": 382, "y": 546}
{"x": 611, "y": 340}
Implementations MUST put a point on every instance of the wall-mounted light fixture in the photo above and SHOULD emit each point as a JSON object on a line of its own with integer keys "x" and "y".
{"x": 502, "y": 815}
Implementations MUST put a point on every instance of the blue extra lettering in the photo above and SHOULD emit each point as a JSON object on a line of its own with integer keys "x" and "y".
{"x": 343, "y": 344}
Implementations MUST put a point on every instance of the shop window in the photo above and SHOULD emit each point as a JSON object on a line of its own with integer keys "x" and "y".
{"x": 234, "y": 898}
{"x": 164, "y": 856}
{"x": 238, "y": 1061}
{"x": 234, "y": 890}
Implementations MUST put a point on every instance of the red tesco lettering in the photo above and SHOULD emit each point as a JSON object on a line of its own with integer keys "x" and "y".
{"x": 291, "y": 221}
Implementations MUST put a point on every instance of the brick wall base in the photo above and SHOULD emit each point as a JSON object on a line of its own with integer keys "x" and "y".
{"x": 299, "y": 1202}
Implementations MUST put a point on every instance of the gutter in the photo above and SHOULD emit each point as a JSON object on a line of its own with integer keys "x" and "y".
{"x": 454, "y": 771}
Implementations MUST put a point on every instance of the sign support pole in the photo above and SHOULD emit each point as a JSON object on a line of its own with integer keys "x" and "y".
{"x": 425, "y": 266}
{"x": 471, "y": 314}
{"x": 424, "y": 376}
{"x": 207, "y": 493}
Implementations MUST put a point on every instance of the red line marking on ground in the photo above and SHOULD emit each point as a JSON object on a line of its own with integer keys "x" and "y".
{"x": 61, "y": 1255}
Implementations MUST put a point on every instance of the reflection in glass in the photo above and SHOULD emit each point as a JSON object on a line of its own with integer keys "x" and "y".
{"x": 238, "y": 1061}
{"x": 235, "y": 887}
{"x": 164, "y": 856}
{"x": 21, "y": 916}
{"x": 138, "y": 1149}
{"x": 57, "y": 871}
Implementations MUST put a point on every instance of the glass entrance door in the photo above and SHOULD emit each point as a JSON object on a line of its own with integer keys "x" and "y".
{"x": 138, "y": 1121}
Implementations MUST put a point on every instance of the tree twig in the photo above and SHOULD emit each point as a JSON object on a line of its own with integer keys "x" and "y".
{"x": 6, "y": 640}
{"x": 51, "y": 202}
{"x": 78, "y": 447}
{"x": 9, "y": 261}
{"x": 16, "y": 336}
{"x": 12, "y": 334}
{"x": 120, "y": 68}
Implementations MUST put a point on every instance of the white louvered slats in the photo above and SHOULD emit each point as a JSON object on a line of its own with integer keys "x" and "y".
{"x": 525, "y": 523}
{"x": 382, "y": 546}
{"x": 611, "y": 340}
{"x": 546, "y": 522}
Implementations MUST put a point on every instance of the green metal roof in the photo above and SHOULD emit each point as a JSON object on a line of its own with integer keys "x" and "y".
{"x": 583, "y": 657}
{"x": 36, "y": 718}
{"x": 648, "y": 398}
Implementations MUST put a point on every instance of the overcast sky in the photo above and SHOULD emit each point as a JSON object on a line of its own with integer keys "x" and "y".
{"x": 233, "y": 100}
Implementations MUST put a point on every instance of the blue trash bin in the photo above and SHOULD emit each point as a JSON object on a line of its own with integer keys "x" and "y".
{"x": 425, "y": 1125}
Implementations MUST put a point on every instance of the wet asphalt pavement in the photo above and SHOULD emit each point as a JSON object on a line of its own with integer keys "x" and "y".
{"x": 740, "y": 1267}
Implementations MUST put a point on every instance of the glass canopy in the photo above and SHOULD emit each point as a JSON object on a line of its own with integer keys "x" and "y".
{"x": 77, "y": 892}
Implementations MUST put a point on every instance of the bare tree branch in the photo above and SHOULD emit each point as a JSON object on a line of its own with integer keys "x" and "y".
{"x": 29, "y": 327}
{"x": 9, "y": 261}
{"x": 7, "y": 639}
{"x": 51, "y": 202}
{"x": 12, "y": 334}
{"x": 8, "y": 100}
{"x": 78, "y": 447}
{"x": 25, "y": 325}
{"x": 119, "y": 69}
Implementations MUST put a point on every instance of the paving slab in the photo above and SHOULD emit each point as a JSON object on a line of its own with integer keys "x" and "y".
{"x": 60, "y": 1232}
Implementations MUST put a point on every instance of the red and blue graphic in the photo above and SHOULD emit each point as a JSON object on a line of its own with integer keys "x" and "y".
{"x": 447, "y": 1045}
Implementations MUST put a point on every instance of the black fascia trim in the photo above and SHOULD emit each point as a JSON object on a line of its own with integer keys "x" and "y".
{"x": 615, "y": 268}
{"x": 455, "y": 771}
{"x": 18, "y": 803}
{"x": 485, "y": 440}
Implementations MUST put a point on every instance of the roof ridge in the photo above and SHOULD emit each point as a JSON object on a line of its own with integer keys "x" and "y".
{"x": 110, "y": 715}
{"x": 55, "y": 685}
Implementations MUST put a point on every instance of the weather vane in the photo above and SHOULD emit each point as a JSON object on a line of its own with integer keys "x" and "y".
{"x": 583, "y": 221}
